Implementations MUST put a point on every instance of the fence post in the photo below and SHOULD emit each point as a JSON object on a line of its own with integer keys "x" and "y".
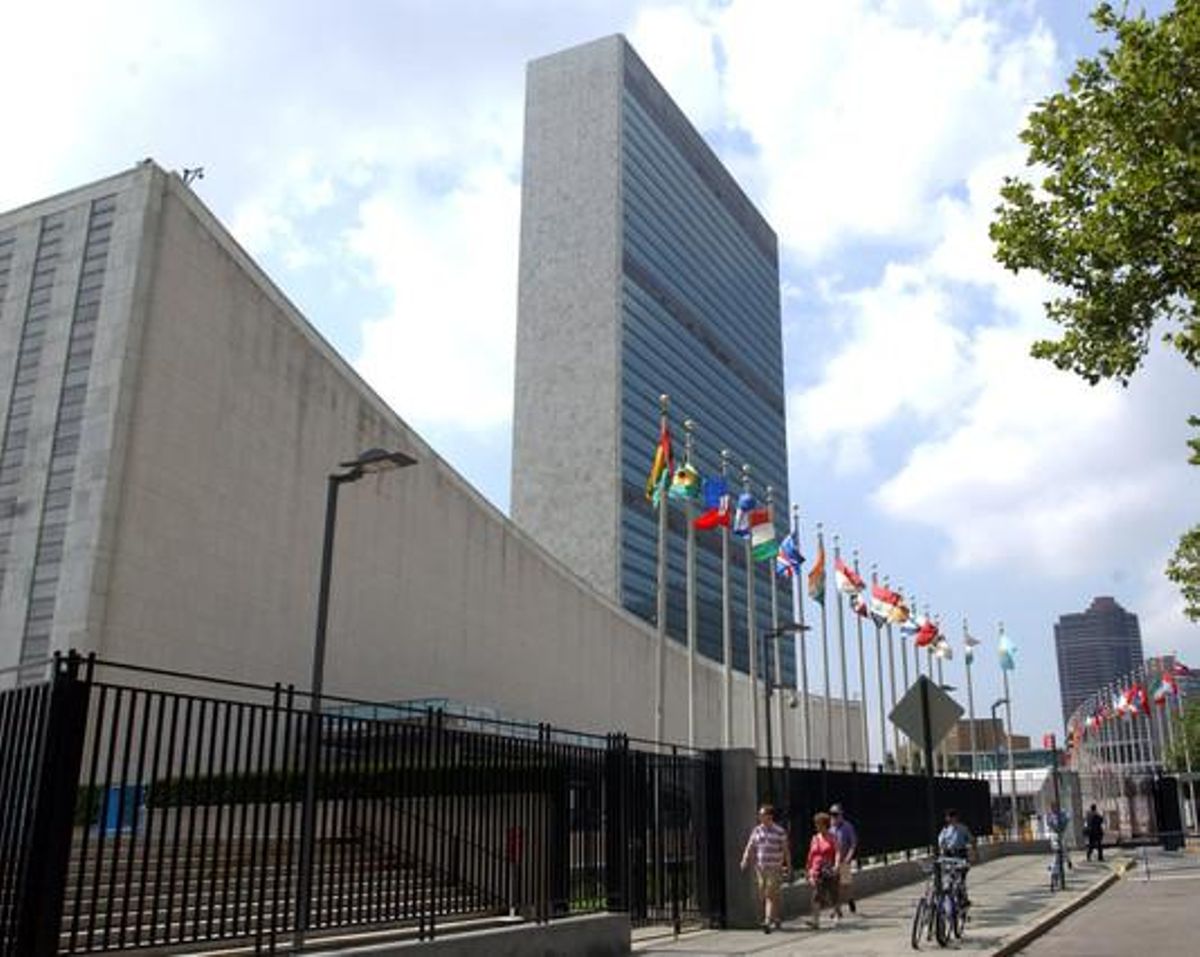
{"x": 739, "y": 780}
{"x": 40, "y": 919}
{"x": 616, "y": 817}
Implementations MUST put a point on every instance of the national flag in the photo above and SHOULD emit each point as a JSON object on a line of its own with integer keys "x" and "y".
{"x": 859, "y": 606}
{"x": 927, "y": 633}
{"x": 942, "y": 649}
{"x": 1138, "y": 700}
{"x": 899, "y": 614}
{"x": 662, "y": 466}
{"x": 1048, "y": 742}
{"x": 762, "y": 535}
{"x": 1180, "y": 670}
{"x": 909, "y": 629}
{"x": 788, "y": 559}
{"x": 884, "y": 602}
{"x": 816, "y": 577}
{"x": 971, "y": 643}
{"x": 1163, "y": 690}
{"x": 685, "y": 484}
{"x": 846, "y": 578}
{"x": 1006, "y": 651}
{"x": 741, "y": 518}
{"x": 718, "y": 504}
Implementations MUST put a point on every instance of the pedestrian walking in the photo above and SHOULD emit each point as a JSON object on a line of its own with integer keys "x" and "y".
{"x": 768, "y": 847}
{"x": 847, "y": 840}
{"x": 1093, "y": 830}
{"x": 821, "y": 869}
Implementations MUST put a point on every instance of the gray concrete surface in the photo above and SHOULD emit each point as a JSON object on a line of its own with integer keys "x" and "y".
{"x": 1155, "y": 901}
{"x": 1010, "y": 894}
{"x": 597, "y": 935}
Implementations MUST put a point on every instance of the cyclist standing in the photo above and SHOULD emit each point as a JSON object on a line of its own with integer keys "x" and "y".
{"x": 956, "y": 840}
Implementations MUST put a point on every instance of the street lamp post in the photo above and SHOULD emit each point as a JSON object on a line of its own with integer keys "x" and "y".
{"x": 769, "y": 680}
{"x": 370, "y": 462}
{"x": 999, "y": 703}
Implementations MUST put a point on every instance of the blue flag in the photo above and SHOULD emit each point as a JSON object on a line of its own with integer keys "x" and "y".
{"x": 741, "y": 518}
{"x": 788, "y": 558}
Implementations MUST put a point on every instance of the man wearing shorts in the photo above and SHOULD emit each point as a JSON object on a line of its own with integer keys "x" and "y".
{"x": 768, "y": 845}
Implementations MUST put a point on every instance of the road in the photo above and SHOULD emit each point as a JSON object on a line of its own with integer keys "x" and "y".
{"x": 1153, "y": 905}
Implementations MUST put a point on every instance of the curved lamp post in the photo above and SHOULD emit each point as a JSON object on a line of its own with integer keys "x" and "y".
{"x": 370, "y": 462}
{"x": 769, "y": 680}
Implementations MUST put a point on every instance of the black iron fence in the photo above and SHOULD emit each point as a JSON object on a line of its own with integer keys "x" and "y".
{"x": 889, "y": 810}
{"x": 167, "y": 809}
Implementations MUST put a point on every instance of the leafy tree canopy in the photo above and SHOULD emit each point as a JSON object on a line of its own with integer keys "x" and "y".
{"x": 1115, "y": 219}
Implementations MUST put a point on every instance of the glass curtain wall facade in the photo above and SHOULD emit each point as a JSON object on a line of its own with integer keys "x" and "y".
{"x": 700, "y": 319}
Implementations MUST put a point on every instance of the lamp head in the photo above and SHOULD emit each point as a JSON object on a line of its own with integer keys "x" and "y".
{"x": 374, "y": 461}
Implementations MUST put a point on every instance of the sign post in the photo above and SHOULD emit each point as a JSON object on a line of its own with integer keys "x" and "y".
{"x": 926, "y": 714}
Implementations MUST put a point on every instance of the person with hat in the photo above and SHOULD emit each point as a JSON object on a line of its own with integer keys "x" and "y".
{"x": 847, "y": 840}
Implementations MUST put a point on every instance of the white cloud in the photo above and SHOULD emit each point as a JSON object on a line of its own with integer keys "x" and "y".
{"x": 444, "y": 352}
{"x": 864, "y": 115}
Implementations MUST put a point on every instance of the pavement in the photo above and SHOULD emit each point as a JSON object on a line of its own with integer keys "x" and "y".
{"x": 1155, "y": 902}
{"x": 1011, "y": 902}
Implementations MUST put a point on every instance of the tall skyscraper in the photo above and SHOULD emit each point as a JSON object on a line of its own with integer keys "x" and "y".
{"x": 644, "y": 269}
{"x": 1094, "y": 647}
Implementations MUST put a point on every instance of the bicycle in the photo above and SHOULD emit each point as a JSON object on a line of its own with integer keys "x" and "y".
{"x": 942, "y": 909}
{"x": 1058, "y": 865}
{"x": 956, "y": 902}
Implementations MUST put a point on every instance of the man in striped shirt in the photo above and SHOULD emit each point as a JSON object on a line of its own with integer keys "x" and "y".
{"x": 772, "y": 860}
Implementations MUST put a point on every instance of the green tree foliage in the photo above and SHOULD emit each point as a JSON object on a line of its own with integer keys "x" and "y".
{"x": 1114, "y": 221}
{"x": 1184, "y": 567}
{"x": 1186, "y": 730}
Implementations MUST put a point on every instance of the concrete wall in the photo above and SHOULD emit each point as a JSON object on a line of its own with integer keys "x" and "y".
{"x": 597, "y": 935}
{"x": 239, "y": 413}
{"x": 215, "y": 414}
{"x": 567, "y": 395}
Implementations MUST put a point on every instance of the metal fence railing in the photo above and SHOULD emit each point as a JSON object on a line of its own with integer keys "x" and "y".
{"x": 169, "y": 809}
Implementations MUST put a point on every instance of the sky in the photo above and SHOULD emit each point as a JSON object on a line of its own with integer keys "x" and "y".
{"x": 368, "y": 155}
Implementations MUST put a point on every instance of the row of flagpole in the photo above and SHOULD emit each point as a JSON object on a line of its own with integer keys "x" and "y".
{"x": 885, "y": 608}
{"x": 1105, "y": 738}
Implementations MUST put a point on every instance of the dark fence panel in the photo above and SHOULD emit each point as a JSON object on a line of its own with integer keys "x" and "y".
{"x": 890, "y": 811}
{"x": 164, "y": 817}
{"x": 23, "y": 714}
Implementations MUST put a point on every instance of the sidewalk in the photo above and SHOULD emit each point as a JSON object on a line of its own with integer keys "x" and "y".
{"x": 1011, "y": 896}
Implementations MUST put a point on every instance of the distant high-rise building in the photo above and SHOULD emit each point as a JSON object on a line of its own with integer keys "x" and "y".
{"x": 1094, "y": 647}
{"x": 644, "y": 269}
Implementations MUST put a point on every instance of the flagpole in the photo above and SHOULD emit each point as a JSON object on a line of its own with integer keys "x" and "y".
{"x": 968, "y": 658}
{"x": 842, "y": 652}
{"x": 751, "y": 637}
{"x": 904, "y": 665}
{"x": 660, "y": 676}
{"x": 878, "y": 674}
{"x": 943, "y": 747}
{"x": 726, "y": 613}
{"x": 775, "y": 668}
{"x": 825, "y": 652}
{"x": 1187, "y": 757}
{"x": 891, "y": 655}
{"x": 1012, "y": 761}
{"x": 688, "y": 511}
{"x": 862, "y": 680}
{"x": 800, "y": 644}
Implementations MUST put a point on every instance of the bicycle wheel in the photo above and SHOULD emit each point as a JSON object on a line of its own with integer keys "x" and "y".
{"x": 960, "y": 914}
{"x": 942, "y": 919}
{"x": 920, "y": 920}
